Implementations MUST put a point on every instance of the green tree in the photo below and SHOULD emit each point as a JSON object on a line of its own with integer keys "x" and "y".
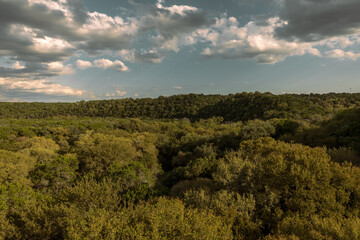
{"x": 98, "y": 153}
{"x": 15, "y": 167}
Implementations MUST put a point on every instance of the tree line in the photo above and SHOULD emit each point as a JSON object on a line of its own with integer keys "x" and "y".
{"x": 233, "y": 107}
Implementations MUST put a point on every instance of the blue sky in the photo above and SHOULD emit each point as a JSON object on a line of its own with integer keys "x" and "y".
{"x": 71, "y": 50}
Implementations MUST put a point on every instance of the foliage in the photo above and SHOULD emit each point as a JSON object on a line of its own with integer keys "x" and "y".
{"x": 233, "y": 107}
{"x": 14, "y": 167}
{"x": 76, "y": 177}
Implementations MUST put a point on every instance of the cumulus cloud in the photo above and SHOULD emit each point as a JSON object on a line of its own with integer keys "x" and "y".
{"x": 34, "y": 70}
{"x": 30, "y": 32}
{"x": 103, "y": 32}
{"x": 342, "y": 42}
{"x": 229, "y": 40}
{"x": 106, "y": 63}
{"x": 43, "y": 33}
{"x": 57, "y": 68}
{"x": 118, "y": 93}
{"x": 38, "y": 86}
{"x": 83, "y": 64}
{"x": 341, "y": 54}
{"x": 174, "y": 25}
{"x": 17, "y": 66}
{"x": 177, "y": 9}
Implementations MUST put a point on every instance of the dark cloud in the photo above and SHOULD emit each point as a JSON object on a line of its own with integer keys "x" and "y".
{"x": 149, "y": 57}
{"x": 38, "y": 37}
{"x": 93, "y": 33}
{"x": 11, "y": 39}
{"x": 79, "y": 11}
{"x": 18, "y": 43}
{"x": 34, "y": 70}
{"x": 170, "y": 23}
{"x": 31, "y": 69}
{"x": 96, "y": 43}
{"x": 26, "y": 29}
{"x": 51, "y": 22}
{"x": 20, "y": 46}
{"x": 314, "y": 20}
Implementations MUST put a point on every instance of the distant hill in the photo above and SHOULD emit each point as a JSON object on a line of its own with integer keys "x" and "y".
{"x": 233, "y": 107}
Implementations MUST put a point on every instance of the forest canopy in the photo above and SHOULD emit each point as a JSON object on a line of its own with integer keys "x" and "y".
{"x": 233, "y": 107}
{"x": 242, "y": 166}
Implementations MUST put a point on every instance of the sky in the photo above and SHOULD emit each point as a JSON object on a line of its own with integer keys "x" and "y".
{"x": 72, "y": 50}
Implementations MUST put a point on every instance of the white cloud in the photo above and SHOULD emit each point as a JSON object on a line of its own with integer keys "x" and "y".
{"x": 121, "y": 93}
{"x": 314, "y": 51}
{"x": 173, "y": 25}
{"x": 177, "y": 87}
{"x": 57, "y": 68}
{"x": 342, "y": 55}
{"x": 340, "y": 42}
{"x": 106, "y": 63}
{"x": 51, "y": 45}
{"x": 176, "y": 9}
{"x": 229, "y": 40}
{"x": 66, "y": 27}
{"x": 103, "y": 63}
{"x": 83, "y": 64}
{"x": 120, "y": 66}
{"x": 39, "y": 86}
{"x": 17, "y": 66}
{"x": 54, "y": 5}
{"x": 118, "y": 93}
{"x": 251, "y": 41}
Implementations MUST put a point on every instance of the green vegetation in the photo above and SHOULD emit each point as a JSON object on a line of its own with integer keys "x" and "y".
{"x": 244, "y": 166}
{"x": 233, "y": 107}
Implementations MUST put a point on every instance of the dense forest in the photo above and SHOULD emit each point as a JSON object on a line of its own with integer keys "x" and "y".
{"x": 242, "y": 166}
{"x": 233, "y": 107}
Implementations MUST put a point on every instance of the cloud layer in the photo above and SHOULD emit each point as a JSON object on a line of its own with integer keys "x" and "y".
{"x": 41, "y": 39}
